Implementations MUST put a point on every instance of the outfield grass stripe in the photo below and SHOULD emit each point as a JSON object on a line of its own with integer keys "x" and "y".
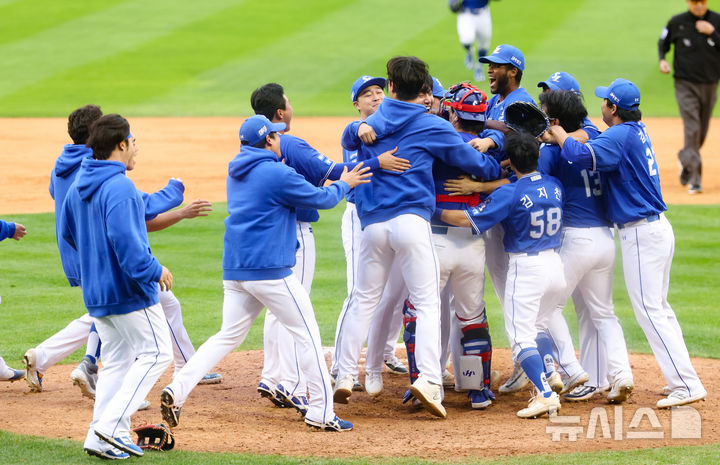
{"x": 94, "y": 36}
{"x": 358, "y": 33}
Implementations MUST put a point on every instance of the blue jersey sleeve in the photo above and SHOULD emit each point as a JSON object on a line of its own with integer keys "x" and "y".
{"x": 311, "y": 164}
{"x": 350, "y": 140}
{"x": 447, "y": 145}
{"x": 294, "y": 191}
{"x": 493, "y": 210}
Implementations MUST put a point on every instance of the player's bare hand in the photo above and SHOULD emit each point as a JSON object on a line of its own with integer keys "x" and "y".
{"x": 664, "y": 66}
{"x": 197, "y": 208}
{"x": 20, "y": 231}
{"x": 166, "y": 280}
{"x": 358, "y": 175}
{"x": 556, "y": 135}
{"x": 388, "y": 161}
{"x": 704, "y": 27}
{"x": 464, "y": 185}
{"x": 366, "y": 134}
{"x": 482, "y": 145}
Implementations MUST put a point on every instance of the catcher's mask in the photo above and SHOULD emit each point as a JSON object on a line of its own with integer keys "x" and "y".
{"x": 468, "y": 101}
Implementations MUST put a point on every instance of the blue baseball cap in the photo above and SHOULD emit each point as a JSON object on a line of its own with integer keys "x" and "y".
{"x": 438, "y": 89}
{"x": 362, "y": 83}
{"x": 560, "y": 81}
{"x": 622, "y": 93}
{"x": 506, "y": 54}
{"x": 255, "y": 128}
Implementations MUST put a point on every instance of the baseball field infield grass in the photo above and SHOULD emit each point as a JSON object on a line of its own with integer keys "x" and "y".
{"x": 163, "y": 57}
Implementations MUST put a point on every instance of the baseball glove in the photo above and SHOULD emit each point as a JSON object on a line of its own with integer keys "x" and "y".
{"x": 526, "y": 116}
{"x": 455, "y": 5}
{"x": 155, "y": 437}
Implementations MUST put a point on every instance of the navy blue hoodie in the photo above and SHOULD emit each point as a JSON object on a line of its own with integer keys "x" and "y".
{"x": 421, "y": 138}
{"x": 103, "y": 218}
{"x": 262, "y": 197}
{"x": 63, "y": 175}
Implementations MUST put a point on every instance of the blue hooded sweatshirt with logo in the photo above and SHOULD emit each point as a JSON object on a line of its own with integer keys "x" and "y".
{"x": 103, "y": 218}
{"x": 263, "y": 195}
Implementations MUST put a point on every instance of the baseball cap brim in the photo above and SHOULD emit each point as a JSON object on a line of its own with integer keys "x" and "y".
{"x": 277, "y": 127}
{"x": 602, "y": 92}
{"x": 495, "y": 59}
{"x": 378, "y": 81}
{"x": 549, "y": 85}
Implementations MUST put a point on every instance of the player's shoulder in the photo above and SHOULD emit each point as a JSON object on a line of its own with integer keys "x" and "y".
{"x": 520, "y": 95}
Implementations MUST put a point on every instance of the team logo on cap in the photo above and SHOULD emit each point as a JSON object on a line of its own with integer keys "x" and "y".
{"x": 497, "y": 50}
{"x": 555, "y": 77}
{"x": 262, "y": 130}
{"x": 366, "y": 78}
{"x": 516, "y": 60}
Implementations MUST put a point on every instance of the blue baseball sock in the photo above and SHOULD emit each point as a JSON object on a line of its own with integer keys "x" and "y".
{"x": 545, "y": 347}
{"x": 532, "y": 364}
{"x": 92, "y": 352}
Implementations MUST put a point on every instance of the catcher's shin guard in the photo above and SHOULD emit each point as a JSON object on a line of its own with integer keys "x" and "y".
{"x": 409, "y": 320}
{"x": 476, "y": 341}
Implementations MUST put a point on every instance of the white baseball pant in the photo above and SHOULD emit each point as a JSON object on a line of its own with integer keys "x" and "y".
{"x": 406, "y": 239}
{"x": 647, "y": 251}
{"x": 280, "y": 357}
{"x": 496, "y": 260}
{"x": 5, "y": 371}
{"x": 244, "y": 300}
{"x": 473, "y": 27}
{"x": 136, "y": 350}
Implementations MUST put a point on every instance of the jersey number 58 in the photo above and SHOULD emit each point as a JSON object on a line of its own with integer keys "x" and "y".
{"x": 543, "y": 221}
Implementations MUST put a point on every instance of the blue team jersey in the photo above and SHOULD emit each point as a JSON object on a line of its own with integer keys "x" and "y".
{"x": 631, "y": 182}
{"x": 350, "y": 156}
{"x": 496, "y": 111}
{"x": 474, "y": 4}
{"x": 530, "y": 211}
{"x": 584, "y": 203}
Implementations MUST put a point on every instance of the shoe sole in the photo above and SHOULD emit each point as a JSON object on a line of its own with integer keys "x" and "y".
{"x": 271, "y": 397}
{"x": 84, "y": 386}
{"x": 34, "y": 387}
{"x": 342, "y": 396}
{"x": 290, "y": 404}
{"x": 433, "y": 408}
{"x": 210, "y": 381}
{"x": 481, "y": 405}
{"x": 167, "y": 410}
{"x": 689, "y": 400}
{"x": 95, "y": 453}
{"x": 119, "y": 445}
{"x": 584, "y": 398}
{"x": 622, "y": 395}
{"x": 322, "y": 427}
{"x": 550, "y": 411}
{"x": 557, "y": 387}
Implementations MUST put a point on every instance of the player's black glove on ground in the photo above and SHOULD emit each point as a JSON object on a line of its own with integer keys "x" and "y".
{"x": 155, "y": 437}
{"x": 526, "y": 116}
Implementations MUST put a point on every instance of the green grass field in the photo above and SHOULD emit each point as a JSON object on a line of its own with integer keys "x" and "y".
{"x": 169, "y": 58}
{"x": 162, "y": 57}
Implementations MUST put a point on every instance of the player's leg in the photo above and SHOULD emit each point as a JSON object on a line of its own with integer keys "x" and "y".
{"x": 9, "y": 374}
{"x": 85, "y": 375}
{"x": 240, "y": 309}
{"x": 647, "y": 252}
{"x": 466, "y": 34}
{"x": 483, "y": 33}
{"x": 376, "y": 259}
{"x": 291, "y": 304}
{"x": 145, "y": 331}
{"x": 690, "y": 105}
{"x": 182, "y": 347}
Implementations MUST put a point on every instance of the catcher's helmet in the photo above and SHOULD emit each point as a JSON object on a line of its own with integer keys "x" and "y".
{"x": 468, "y": 101}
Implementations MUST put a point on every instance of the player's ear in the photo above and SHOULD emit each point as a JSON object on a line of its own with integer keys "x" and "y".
{"x": 279, "y": 114}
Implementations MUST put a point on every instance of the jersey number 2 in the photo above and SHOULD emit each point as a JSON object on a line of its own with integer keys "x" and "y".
{"x": 543, "y": 221}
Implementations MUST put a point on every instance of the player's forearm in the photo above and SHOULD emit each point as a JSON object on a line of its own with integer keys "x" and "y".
{"x": 453, "y": 217}
{"x": 164, "y": 220}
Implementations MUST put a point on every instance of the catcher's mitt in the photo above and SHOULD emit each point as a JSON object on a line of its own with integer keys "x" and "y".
{"x": 155, "y": 437}
{"x": 455, "y": 5}
{"x": 526, "y": 116}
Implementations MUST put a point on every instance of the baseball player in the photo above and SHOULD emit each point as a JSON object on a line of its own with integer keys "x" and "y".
{"x": 620, "y": 153}
{"x": 588, "y": 255}
{"x": 82, "y": 330}
{"x": 531, "y": 212}
{"x": 474, "y": 26}
{"x": 366, "y": 95}
{"x": 282, "y": 381}
{"x": 395, "y": 216}
{"x": 259, "y": 252}
{"x": 17, "y": 231}
{"x": 103, "y": 218}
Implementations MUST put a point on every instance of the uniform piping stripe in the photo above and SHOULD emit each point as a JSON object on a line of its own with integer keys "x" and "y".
{"x": 512, "y": 302}
{"x": 351, "y": 295}
{"x": 157, "y": 354}
{"x": 642, "y": 296}
{"x": 174, "y": 338}
{"x": 314, "y": 345}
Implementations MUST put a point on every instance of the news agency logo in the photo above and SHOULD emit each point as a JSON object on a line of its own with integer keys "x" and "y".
{"x": 685, "y": 423}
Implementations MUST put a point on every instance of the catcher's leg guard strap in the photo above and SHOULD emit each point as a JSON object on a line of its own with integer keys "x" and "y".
{"x": 409, "y": 320}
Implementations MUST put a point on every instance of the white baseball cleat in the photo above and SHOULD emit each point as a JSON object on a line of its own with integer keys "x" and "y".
{"x": 578, "y": 379}
{"x": 394, "y": 365}
{"x": 517, "y": 380}
{"x": 621, "y": 390}
{"x": 373, "y": 384}
{"x": 429, "y": 394}
{"x": 540, "y": 405}
{"x": 555, "y": 382}
{"x": 448, "y": 380}
{"x": 343, "y": 389}
{"x": 33, "y": 377}
{"x": 680, "y": 397}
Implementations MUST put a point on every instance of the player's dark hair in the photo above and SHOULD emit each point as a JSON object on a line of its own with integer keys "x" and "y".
{"x": 268, "y": 99}
{"x": 261, "y": 144}
{"x": 468, "y": 125}
{"x": 523, "y": 151}
{"x": 566, "y": 106}
{"x": 80, "y": 120}
{"x": 625, "y": 115}
{"x": 106, "y": 133}
{"x": 409, "y": 75}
